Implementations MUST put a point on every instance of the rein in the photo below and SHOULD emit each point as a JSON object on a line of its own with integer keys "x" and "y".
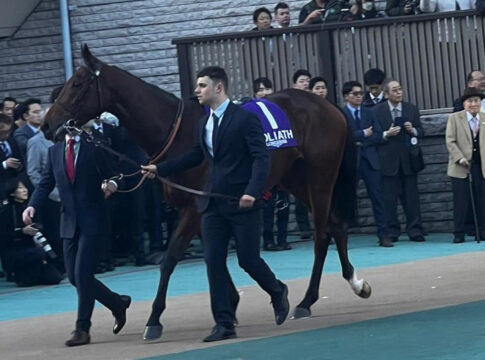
{"x": 122, "y": 157}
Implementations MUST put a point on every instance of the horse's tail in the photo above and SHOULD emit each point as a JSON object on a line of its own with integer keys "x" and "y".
{"x": 344, "y": 198}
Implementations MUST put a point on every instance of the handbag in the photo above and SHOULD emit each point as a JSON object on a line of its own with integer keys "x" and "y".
{"x": 416, "y": 158}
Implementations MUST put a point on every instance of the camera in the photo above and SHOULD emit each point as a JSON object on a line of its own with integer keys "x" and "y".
{"x": 41, "y": 241}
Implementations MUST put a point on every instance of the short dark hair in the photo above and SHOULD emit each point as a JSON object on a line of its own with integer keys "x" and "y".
{"x": 349, "y": 85}
{"x": 374, "y": 76}
{"x": 4, "y": 119}
{"x": 386, "y": 82}
{"x": 261, "y": 80}
{"x": 259, "y": 11}
{"x": 469, "y": 77}
{"x": 301, "y": 72}
{"x": 316, "y": 79}
{"x": 215, "y": 73}
{"x": 55, "y": 93}
{"x": 280, "y": 5}
{"x": 24, "y": 106}
{"x": 8, "y": 98}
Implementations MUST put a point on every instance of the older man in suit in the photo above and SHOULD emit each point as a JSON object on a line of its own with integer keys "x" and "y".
{"x": 78, "y": 168}
{"x": 367, "y": 134}
{"x": 465, "y": 136}
{"x": 402, "y": 128}
{"x": 232, "y": 141}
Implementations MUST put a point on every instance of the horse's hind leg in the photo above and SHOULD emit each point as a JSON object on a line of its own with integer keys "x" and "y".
{"x": 317, "y": 195}
{"x": 188, "y": 226}
{"x": 339, "y": 232}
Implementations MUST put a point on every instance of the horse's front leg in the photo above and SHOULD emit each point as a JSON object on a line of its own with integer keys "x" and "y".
{"x": 189, "y": 225}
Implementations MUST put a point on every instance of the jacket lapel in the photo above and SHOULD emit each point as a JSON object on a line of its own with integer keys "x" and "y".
{"x": 202, "y": 125}
{"x": 481, "y": 127}
{"x": 466, "y": 126}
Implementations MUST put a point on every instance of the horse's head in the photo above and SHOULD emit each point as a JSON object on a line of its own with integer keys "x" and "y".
{"x": 81, "y": 98}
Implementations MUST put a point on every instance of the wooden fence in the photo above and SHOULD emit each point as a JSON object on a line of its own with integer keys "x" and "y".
{"x": 429, "y": 54}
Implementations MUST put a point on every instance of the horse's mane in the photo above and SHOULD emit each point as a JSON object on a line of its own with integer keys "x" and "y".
{"x": 152, "y": 89}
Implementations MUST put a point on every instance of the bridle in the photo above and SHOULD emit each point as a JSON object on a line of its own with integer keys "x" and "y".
{"x": 73, "y": 129}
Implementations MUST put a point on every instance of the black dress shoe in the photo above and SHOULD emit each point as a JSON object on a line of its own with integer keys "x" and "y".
{"x": 281, "y": 305}
{"x": 220, "y": 332}
{"x": 284, "y": 246}
{"x": 270, "y": 247}
{"x": 458, "y": 239}
{"x": 78, "y": 337}
{"x": 120, "y": 317}
{"x": 385, "y": 242}
{"x": 394, "y": 239}
{"x": 419, "y": 238}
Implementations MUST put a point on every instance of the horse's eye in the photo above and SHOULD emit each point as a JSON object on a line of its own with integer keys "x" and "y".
{"x": 76, "y": 84}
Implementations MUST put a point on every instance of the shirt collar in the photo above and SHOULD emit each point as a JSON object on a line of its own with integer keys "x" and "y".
{"x": 221, "y": 109}
{"x": 352, "y": 109}
{"x": 77, "y": 138}
{"x": 379, "y": 97}
{"x": 34, "y": 129}
{"x": 469, "y": 116}
{"x": 392, "y": 107}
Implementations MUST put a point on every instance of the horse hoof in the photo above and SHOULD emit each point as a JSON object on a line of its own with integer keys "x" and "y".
{"x": 366, "y": 290}
{"x": 152, "y": 332}
{"x": 301, "y": 313}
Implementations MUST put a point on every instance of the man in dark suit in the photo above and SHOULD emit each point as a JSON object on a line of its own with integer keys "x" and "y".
{"x": 367, "y": 134}
{"x": 10, "y": 158}
{"x": 30, "y": 111}
{"x": 402, "y": 128}
{"x": 232, "y": 141}
{"x": 78, "y": 168}
{"x": 373, "y": 79}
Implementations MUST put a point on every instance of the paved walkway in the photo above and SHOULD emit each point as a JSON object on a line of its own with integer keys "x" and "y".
{"x": 406, "y": 279}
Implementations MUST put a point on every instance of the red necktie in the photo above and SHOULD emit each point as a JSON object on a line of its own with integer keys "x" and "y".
{"x": 70, "y": 160}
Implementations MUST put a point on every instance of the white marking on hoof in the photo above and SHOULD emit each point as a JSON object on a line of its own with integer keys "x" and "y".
{"x": 356, "y": 284}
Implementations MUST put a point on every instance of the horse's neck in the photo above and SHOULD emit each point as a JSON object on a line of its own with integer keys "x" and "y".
{"x": 146, "y": 114}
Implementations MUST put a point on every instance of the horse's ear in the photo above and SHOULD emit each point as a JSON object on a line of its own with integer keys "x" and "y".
{"x": 90, "y": 60}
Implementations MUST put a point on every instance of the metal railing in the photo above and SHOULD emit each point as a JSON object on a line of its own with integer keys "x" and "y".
{"x": 429, "y": 54}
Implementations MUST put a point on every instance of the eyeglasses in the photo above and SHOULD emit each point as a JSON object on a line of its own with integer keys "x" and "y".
{"x": 357, "y": 93}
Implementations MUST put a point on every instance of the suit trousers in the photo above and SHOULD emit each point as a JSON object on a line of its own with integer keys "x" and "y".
{"x": 81, "y": 258}
{"x": 301, "y": 215}
{"x": 373, "y": 183}
{"x": 217, "y": 229}
{"x": 462, "y": 210}
{"x": 280, "y": 198}
{"x": 405, "y": 188}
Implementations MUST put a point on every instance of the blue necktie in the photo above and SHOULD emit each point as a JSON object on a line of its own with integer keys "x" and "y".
{"x": 357, "y": 119}
{"x": 5, "y": 149}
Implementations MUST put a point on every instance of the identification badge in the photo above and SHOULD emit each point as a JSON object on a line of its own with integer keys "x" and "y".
{"x": 414, "y": 140}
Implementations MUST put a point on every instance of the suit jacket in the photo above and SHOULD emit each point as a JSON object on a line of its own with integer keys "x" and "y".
{"x": 83, "y": 204}
{"x": 21, "y": 136}
{"x": 459, "y": 143}
{"x": 37, "y": 149}
{"x": 367, "y": 148}
{"x": 394, "y": 152}
{"x": 241, "y": 161}
{"x": 6, "y": 174}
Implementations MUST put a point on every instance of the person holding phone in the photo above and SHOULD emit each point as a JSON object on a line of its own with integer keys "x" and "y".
{"x": 402, "y": 129}
{"x": 319, "y": 11}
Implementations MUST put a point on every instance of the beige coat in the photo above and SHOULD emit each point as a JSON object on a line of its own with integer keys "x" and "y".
{"x": 459, "y": 143}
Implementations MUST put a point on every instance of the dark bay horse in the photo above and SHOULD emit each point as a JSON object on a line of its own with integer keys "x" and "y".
{"x": 309, "y": 171}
